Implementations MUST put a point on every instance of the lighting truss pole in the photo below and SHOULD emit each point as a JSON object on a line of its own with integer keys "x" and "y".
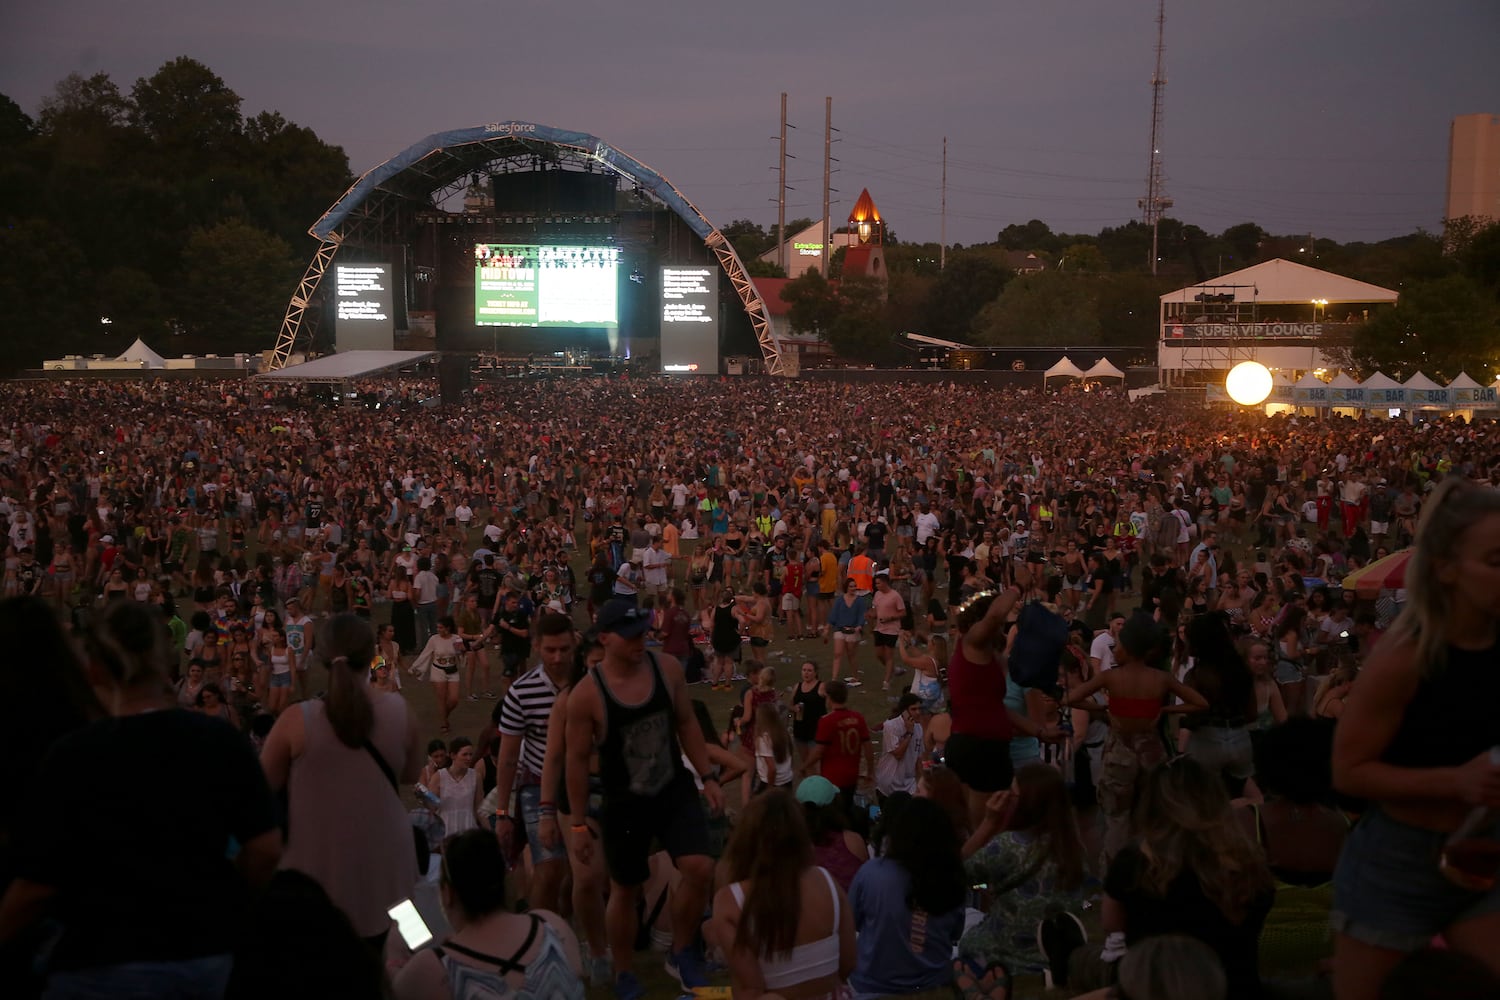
{"x": 1156, "y": 201}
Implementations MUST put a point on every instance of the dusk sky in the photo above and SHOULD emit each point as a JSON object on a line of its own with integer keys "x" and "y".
{"x": 1322, "y": 116}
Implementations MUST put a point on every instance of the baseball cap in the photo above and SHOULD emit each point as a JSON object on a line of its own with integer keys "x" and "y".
{"x": 623, "y": 619}
{"x": 816, "y": 790}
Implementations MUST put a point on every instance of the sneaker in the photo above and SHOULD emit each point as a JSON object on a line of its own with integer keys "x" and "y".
{"x": 473, "y": 697}
{"x": 490, "y": 695}
{"x": 1057, "y": 937}
{"x": 900, "y": 671}
{"x": 886, "y": 686}
{"x": 738, "y": 676}
{"x": 854, "y": 683}
{"x": 627, "y": 987}
{"x": 599, "y": 970}
{"x": 686, "y": 966}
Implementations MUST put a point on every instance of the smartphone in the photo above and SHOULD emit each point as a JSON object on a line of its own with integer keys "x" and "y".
{"x": 410, "y": 923}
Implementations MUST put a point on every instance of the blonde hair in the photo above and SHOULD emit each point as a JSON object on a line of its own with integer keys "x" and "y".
{"x": 1185, "y": 824}
{"x": 1454, "y": 507}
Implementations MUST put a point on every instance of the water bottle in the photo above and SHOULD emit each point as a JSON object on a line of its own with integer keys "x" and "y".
{"x": 1471, "y": 856}
{"x": 427, "y": 797}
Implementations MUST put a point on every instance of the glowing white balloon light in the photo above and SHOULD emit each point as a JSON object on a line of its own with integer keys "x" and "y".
{"x": 1249, "y": 382}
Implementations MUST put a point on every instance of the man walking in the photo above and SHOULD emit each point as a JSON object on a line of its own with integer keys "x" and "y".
{"x": 634, "y": 708}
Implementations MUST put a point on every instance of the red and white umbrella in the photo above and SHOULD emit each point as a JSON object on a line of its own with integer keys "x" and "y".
{"x": 1385, "y": 573}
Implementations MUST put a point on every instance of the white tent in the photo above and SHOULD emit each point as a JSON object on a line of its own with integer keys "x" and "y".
{"x": 1382, "y": 391}
{"x": 1470, "y": 395}
{"x": 138, "y": 351}
{"x": 1282, "y": 281}
{"x": 1346, "y": 391}
{"x": 1103, "y": 369}
{"x": 349, "y": 365}
{"x": 1063, "y": 369}
{"x": 1281, "y": 389}
{"x": 1426, "y": 394}
{"x": 1309, "y": 390}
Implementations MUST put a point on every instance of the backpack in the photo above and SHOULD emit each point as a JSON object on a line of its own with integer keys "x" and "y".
{"x": 1036, "y": 653}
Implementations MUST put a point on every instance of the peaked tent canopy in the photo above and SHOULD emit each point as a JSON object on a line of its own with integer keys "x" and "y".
{"x": 1464, "y": 382}
{"x": 1063, "y": 369}
{"x": 1103, "y": 369}
{"x": 1343, "y": 381}
{"x": 138, "y": 351}
{"x": 1309, "y": 381}
{"x": 1380, "y": 380}
{"x": 1420, "y": 381}
{"x": 1282, "y": 281}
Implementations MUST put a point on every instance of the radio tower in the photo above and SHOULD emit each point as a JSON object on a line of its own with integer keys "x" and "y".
{"x": 1155, "y": 201}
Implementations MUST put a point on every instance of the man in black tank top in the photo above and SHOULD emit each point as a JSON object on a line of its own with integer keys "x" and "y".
{"x": 634, "y": 709}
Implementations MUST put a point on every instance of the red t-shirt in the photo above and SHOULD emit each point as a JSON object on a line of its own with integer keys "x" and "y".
{"x": 843, "y": 735}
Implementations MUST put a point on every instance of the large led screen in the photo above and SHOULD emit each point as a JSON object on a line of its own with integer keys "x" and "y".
{"x": 690, "y": 320}
{"x": 363, "y": 312}
{"x": 546, "y": 286}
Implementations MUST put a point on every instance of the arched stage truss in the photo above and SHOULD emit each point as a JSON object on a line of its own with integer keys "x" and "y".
{"x": 430, "y": 172}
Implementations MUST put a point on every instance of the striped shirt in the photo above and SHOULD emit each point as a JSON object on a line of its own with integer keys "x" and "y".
{"x": 524, "y": 713}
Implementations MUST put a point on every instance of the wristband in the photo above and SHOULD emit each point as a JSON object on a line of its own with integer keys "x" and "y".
{"x": 545, "y": 804}
{"x": 580, "y": 826}
{"x": 500, "y": 814}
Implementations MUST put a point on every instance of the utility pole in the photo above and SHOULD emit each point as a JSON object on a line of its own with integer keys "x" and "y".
{"x": 825, "y": 259}
{"x": 1156, "y": 201}
{"x": 781, "y": 195}
{"x": 943, "y": 218}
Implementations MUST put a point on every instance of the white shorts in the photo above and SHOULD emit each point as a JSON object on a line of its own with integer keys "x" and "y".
{"x": 1380, "y": 527}
{"x": 440, "y": 676}
{"x": 791, "y": 602}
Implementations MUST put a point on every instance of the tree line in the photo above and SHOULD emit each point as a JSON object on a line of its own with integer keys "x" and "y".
{"x": 169, "y": 211}
{"x": 1098, "y": 290}
{"x": 164, "y": 209}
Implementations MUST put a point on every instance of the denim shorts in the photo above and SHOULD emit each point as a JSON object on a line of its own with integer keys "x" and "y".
{"x": 1289, "y": 672}
{"x": 281, "y": 680}
{"x": 529, "y": 800}
{"x": 1223, "y": 750}
{"x": 1388, "y": 891}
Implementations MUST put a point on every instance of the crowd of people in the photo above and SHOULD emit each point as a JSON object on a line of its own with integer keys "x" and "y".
{"x": 235, "y": 586}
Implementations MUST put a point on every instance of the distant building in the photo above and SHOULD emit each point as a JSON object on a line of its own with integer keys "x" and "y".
{"x": 804, "y": 251}
{"x": 1474, "y": 167}
{"x": 1024, "y": 262}
{"x": 806, "y": 346}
